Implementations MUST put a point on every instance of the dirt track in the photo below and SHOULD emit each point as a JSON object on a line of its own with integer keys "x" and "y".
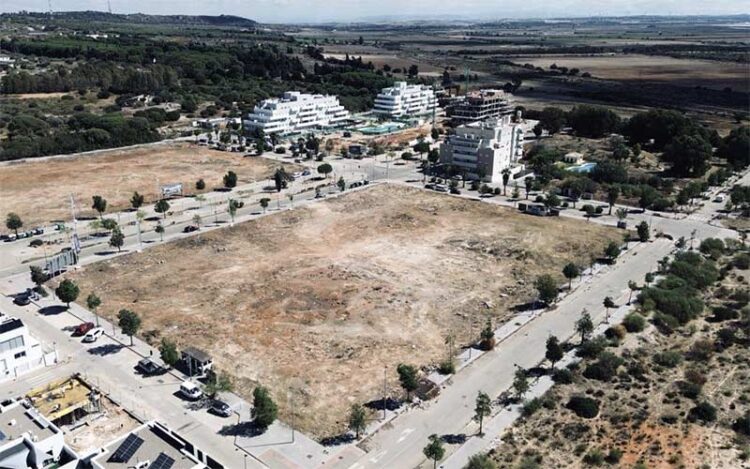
{"x": 39, "y": 191}
{"x": 321, "y": 299}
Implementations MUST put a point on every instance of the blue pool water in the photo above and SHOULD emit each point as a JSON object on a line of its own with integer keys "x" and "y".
{"x": 582, "y": 168}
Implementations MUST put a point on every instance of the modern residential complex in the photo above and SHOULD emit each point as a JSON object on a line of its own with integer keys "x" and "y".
{"x": 404, "y": 100}
{"x": 19, "y": 351}
{"x": 296, "y": 112}
{"x": 481, "y": 105}
{"x": 484, "y": 149}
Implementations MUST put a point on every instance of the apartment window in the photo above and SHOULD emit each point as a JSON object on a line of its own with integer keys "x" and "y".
{"x": 11, "y": 344}
{"x": 20, "y": 354}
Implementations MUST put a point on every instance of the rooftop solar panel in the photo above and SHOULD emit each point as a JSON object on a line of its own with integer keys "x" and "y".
{"x": 127, "y": 449}
{"x": 162, "y": 462}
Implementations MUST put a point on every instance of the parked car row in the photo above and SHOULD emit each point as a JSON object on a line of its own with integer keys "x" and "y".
{"x": 359, "y": 184}
{"x": 21, "y": 235}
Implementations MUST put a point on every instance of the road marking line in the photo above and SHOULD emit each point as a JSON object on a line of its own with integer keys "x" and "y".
{"x": 377, "y": 457}
{"x": 405, "y": 434}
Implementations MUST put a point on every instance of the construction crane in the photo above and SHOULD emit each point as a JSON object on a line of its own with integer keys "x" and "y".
{"x": 49, "y": 4}
{"x": 109, "y": 6}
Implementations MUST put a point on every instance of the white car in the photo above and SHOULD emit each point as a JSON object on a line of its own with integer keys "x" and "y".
{"x": 93, "y": 335}
{"x": 190, "y": 390}
{"x": 298, "y": 174}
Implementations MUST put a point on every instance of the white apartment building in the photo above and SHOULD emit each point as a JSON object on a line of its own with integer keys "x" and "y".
{"x": 296, "y": 112}
{"x": 404, "y": 100}
{"x": 19, "y": 351}
{"x": 487, "y": 147}
{"x": 28, "y": 440}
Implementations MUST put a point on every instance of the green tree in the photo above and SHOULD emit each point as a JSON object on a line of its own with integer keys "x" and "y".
{"x": 407, "y": 376}
{"x": 689, "y": 155}
{"x": 280, "y": 179}
{"x": 612, "y": 195}
{"x": 482, "y": 408}
{"x": 529, "y": 184}
{"x": 341, "y": 184}
{"x": 265, "y": 410}
{"x": 643, "y": 231}
{"x": 612, "y": 251}
{"x": 230, "y": 180}
{"x": 621, "y": 214}
{"x": 632, "y": 286}
{"x": 129, "y": 322}
{"x": 584, "y": 326}
{"x": 608, "y": 303}
{"x": 168, "y": 352}
{"x": 357, "y": 420}
{"x": 117, "y": 240}
{"x": 200, "y": 184}
{"x": 38, "y": 276}
{"x": 99, "y": 204}
{"x": 435, "y": 134}
{"x": 434, "y": 450}
{"x": 487, "y": 336}
{"x": 547, "y": 288}
{"x": 160, "y": 229}
{"x": 162, "y": 206}
{"x": 13, "y": 222}
{"x": 554, "y": 352}
{"x": 218, "y": 383}
{"x": 232, "y": 207}
{"x": 571, "y": 271}
{"x": 520, "y": 383}
{"x": 421, "y": 147}
{"x": 92, "y": 303}
{"x": 506, "y": 178}
{"x": 136, "y": 201}
{"x": 264, "y": 203}
{"x": 67, "y": 291}
{"x": 325, "y": 169}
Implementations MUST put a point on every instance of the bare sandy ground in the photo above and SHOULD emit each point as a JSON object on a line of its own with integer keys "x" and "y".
{"x": 317, "y": 301}
{"x": 39, "y": 191}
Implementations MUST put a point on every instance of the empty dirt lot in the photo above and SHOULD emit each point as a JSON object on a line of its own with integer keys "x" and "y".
{"x": 39, "y": 190}
{"x": 320, "y": 299}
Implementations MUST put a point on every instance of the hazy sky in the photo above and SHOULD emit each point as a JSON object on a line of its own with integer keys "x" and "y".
{"x": 351, "y": 10}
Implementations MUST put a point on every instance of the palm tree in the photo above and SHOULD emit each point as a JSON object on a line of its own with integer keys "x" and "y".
{"x": 506, "y": 178}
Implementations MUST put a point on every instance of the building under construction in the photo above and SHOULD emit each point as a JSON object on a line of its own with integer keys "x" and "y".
{"x": 481, "y": 105}
{"x": 66, "y": 401}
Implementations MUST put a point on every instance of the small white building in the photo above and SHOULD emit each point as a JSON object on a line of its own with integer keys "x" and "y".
{"x": 573, "y": 157}
{"x": 487, "y": 148}
{"x": 19, "y": 351}
{"x": 405, "y": 100}
{"x": 296, "y": 112}
{"x": 28, "y": 440}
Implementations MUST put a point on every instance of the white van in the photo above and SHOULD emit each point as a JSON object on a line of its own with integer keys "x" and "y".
{"x": 190, "y": 390}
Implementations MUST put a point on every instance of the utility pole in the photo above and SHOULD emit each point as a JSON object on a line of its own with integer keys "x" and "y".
{"x": 385, "y": 389}
{"x": 109, "y": 6}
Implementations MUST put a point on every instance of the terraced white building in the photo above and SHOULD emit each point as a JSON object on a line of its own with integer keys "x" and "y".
{"x": 296, "y": 112}
{"x": 405, "y": 100}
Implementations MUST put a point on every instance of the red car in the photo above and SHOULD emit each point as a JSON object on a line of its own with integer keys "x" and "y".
{"x": 83, "y": 328}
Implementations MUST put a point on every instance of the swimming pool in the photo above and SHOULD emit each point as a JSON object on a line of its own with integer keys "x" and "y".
{"x": 384, "y": 128}
{"x": 582, "y": 168}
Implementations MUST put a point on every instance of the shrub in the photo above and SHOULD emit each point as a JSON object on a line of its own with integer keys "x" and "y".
{"x": 595, "y": 457}
{"x": 666, "y": 321}
{"x": 584, "y": 407}
{"x": 614, "y": 456}
{"x": 741, "y": 261}
{"x": 701, "y": 350}
{"x": 742, "y": 424}
{"x": 531, "y": 406}
{"x": 562, "y": 376}
{"x": 669, "y": 358}
{"x": 615, "y": 333}
{"x": 605, "y": 368}
{"x": 722, "y": 313}
{"x": 634, "y": 322}
{"x": 592, "y": 348}
{"x": 447, "y": 367}
{"x": 689, "y": 389}
{"x": 704, "y": 411}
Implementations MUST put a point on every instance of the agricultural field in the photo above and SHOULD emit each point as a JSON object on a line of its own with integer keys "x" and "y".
{"x": 39, "y": 189}
{"x": 671, "y": 395}
{"x": 317, "y": 301}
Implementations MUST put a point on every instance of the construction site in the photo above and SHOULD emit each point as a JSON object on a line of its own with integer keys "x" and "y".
{"x": 315, "y": 303}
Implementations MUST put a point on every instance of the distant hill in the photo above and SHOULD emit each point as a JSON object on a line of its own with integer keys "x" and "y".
{"x": 140, "y": 18}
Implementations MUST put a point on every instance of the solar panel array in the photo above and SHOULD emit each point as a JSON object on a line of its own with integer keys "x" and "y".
{"x": 127, "y": 449}
{"x": 163, "y": 461}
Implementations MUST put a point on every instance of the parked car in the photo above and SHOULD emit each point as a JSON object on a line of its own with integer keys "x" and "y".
{"x": 719, "y": 198}
{"x": 220, "y": 408}
{"x": 190, "y": 229}
{"x": 306, "y": 172}
{"x": 22, "y": 300}
{"x": 440, "y": 188}
{"x": 148, "y": 368}
{"x": 190, "y": 390}
{"x": 93, "y": 335}
{"x": 83, "y": 329}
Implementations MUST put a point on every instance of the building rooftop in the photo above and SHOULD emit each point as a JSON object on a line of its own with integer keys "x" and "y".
{"x": 146, "y": 444}
{"x": 16, "y": 420}
{"x": 8, "y": 324}
{"x": 197, "y": 354}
